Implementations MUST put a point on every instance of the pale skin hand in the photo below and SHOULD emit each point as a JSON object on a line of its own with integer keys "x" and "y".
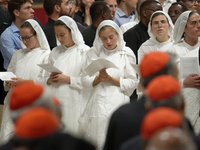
{"x": 58, "y": 78}
{"x": 14, "y": 82}
{"x": 193, "y": 80}
{"x": 105, "y": 77}
{"x": 10, "y": 84}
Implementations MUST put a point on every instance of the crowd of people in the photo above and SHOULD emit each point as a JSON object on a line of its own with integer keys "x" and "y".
{"x": 104, "y": 75}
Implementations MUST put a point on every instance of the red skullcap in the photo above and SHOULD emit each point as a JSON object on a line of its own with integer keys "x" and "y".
{"x": 159, "y": 118}
{"x": 36, "y": 122}
{"x": 152, "y": 63}
{"x": 25, "y": 94}
{"x": 162, "y": 87}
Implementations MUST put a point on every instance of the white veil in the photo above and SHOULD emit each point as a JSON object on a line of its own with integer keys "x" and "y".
{"x": 97, "y": 45}
{"x": 76, "y": 34}
{"x": 180, "y": 26}
{"x": 40, "y": 34}
{"x": 170, "y": 31}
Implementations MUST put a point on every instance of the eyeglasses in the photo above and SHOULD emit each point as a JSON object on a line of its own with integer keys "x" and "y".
{"x": 26, "y": 38}
{"x": 194, "y": 23}
{"x": 70, "y": 2}
{"x": 157, "y": 23}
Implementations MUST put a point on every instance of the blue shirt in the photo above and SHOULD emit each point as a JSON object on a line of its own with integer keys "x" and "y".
{"x": 9, "y": 42}
{"x": 121, "y": 18}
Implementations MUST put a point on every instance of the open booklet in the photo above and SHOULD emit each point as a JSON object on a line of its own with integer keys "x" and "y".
{"x": 188, "y": 65}
{"x": 99, "y": 64}
{"x": 49, "y": 68}
{"x": 6, "y": 76}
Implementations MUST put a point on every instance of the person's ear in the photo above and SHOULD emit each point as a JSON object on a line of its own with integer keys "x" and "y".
{"x": 57, "y": 8}
{"x": 16, "y": 12}
{"x": 103, "y": 15}
{"x": 144, "y": 13}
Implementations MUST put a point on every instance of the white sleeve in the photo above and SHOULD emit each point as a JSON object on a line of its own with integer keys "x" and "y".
{"x": 129, "y": 82}
{"x": 140, "y": 53}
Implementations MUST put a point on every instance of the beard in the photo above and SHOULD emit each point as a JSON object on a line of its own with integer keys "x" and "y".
{"x": 64, "y": 13}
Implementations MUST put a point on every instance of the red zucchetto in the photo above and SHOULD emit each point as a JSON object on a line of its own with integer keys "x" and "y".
{"x": 159, "y": 118}
{"x": 35, "y": 123}
{"x": 152, "y": 63}
{"x": 162, "y": 87}
{"x": 25, "y": 94}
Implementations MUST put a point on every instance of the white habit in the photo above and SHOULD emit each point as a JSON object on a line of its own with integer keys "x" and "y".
{"x": 107, "y": 97}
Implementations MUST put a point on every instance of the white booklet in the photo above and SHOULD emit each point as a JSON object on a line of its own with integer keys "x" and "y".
{"x": 99, "y": 64}
{"x": 49, "y": 68}
{"x": 189, "y": 65}
{"x": 6, "y": 76}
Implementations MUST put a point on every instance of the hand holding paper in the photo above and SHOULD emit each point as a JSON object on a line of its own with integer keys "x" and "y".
{"x": 49, "y": 68}
{"x": 99, "y": 64}
{"x": 58, "y": 78}
{"x": 104, "y": 76}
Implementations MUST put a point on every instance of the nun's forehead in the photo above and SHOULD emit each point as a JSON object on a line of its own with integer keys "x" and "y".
{"x": 107, "y": 26}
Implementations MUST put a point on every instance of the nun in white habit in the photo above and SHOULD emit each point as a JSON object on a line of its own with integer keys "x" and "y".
{"x": 24, "y": 65}
{"x": 186, "y": 37}
{"x": 69, "y": 57}
{"x": 160, "y": 30}
{"x": 108, "y": 88}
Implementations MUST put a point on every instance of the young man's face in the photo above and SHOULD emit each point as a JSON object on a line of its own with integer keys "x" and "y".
{"x": 25, "y": 12}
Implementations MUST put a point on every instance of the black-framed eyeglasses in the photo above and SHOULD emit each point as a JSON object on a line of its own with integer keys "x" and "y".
{"x": 26, "y": 38}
